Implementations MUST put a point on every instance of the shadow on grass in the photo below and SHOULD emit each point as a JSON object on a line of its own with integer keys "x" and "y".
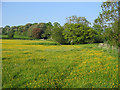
{"x": 5, "y": 58}
{"x": 43, "y": 43}
{"x": 17, "y": 38}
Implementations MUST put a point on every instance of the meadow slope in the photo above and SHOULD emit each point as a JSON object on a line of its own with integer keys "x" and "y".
{"x": 43, "y": 64}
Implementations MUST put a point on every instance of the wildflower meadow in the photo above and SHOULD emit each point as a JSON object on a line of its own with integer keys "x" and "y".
{"x": 45, "y": 64}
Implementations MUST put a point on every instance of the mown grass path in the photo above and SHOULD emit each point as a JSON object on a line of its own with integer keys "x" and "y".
{"x": 43, "y": 64}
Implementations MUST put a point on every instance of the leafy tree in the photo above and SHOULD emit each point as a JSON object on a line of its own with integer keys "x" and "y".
{"x": 19, "y": 30}
{"x": 11, "y": 34}
{"x": 32, "y": 29}
{"x": 25, "y": 28}
{"x": 5, "y": 30}
{"x": 48, "y": 30}
{"x": 57, "y": 34}
{"x": 29, "y": 32}
{"x": 109, "y": 20}
{"x": 111, "y": 34}
{"x": 109, "y": 12}
{"x": 78, "y": 33}
{"x": 36, "y": 33}
{"x": 99, "y": 30}
{"x": 14, "y": 28}
{"x": 56, "y": 24}
{"x": 79, "y": 20}
{"x": 42, "y": 26}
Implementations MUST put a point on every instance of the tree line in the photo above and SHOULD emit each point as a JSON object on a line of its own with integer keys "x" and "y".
{"x": 76, "y": 30}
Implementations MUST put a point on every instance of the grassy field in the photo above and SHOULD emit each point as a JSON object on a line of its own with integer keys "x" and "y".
{"x": 44, "y": 64}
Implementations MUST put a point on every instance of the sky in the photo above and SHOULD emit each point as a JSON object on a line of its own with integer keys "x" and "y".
{"x": 21, "y": 13}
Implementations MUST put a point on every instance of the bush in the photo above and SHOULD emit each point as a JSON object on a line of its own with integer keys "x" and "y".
{"x": 11, "y": 34}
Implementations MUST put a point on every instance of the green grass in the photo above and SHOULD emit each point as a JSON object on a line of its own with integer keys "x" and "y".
{"x": 29, "y": 65}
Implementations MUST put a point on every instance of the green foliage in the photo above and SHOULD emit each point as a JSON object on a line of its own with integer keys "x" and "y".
{"x": 99, "y": 31}
{"x": 79, "y": 20}
{"x": 111, "y": 34}
{"x": 47, "y": 31}
{"x": 108, "y": 19}
{"x": 11, "y": 34}
{"x": 56, "y": 24}
{"x": 78, "y": 33}
{"x": 25, "y": 28}
{"x": 29, "y": 33}
{"x": 109, "y": 11}
{"x": 40, "y": 26}
{"x": 57, "y": 35}
{"x": 19, "y": 30}
{"x": 5, "y": 30}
